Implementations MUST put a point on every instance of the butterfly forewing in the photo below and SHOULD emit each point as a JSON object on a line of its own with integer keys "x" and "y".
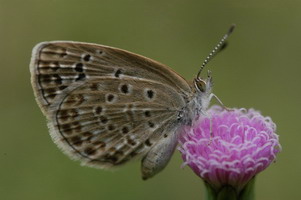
{"x": 57, "y": 65}
{"x": 105, "y": 105}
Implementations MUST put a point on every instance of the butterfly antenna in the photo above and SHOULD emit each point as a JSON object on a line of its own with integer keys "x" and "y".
{"x": 220, "y": 46}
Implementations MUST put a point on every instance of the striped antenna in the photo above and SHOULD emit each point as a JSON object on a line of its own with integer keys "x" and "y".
{"x": 220, "y": 46}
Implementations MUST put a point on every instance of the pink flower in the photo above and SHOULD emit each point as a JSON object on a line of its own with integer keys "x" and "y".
{"x": 242, "y": 143}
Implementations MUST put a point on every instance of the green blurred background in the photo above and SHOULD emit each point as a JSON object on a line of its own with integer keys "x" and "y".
{"x": 260, "y": 69}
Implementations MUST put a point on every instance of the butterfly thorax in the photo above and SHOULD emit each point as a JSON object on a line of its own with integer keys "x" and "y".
{"x": 199, "y": 100}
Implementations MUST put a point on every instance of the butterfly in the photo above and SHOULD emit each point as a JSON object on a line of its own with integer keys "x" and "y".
{"x": 106, "y": 106}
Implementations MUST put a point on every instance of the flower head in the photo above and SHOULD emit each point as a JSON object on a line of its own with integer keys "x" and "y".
{"x": 229, "y": 147}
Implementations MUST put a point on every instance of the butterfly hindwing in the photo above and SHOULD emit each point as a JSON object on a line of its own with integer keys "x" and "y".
{"x": 106, "y": 122}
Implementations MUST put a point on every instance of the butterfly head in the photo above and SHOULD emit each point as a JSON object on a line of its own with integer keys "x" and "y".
{"x": 203, "y": 86}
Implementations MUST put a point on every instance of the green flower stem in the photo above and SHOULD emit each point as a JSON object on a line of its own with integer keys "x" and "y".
{"x": 229, "y": 193}
{"x": 248, "y": 192}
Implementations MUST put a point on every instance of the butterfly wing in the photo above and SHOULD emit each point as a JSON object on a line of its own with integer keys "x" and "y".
{"x": 59, "y": 64}
{"x": 106, "y": 105}
{"x": 101, "y": 124}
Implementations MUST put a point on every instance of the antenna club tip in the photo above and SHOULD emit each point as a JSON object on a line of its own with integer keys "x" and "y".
{"x": 231, "y": 29}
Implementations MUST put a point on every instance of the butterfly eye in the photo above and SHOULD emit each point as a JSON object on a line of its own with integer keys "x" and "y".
{"x": 200, "y": 85}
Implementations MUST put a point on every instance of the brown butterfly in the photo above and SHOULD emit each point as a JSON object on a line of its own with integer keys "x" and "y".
{"x": 106, "y": 106}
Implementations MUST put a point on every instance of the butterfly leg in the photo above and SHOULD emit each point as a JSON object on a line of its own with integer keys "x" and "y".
{"x": 158, "y": 157}
{"x": 210, "y": 125}
{"x": 219, "y": 101}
